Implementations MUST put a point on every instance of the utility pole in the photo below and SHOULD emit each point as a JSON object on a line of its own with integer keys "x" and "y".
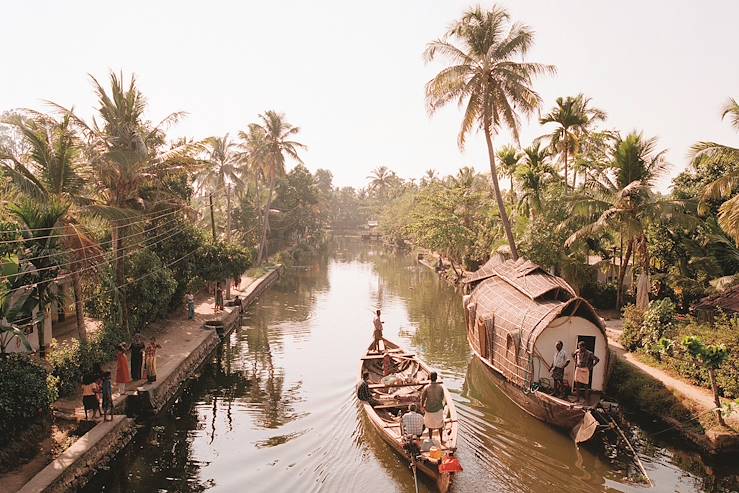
{"x": 212, "y": 218}
{"x": 228, "y": 213}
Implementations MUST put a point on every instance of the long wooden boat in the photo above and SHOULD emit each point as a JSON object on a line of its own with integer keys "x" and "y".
{"x": 394, "y": 399}
{"x": 516, "y": 313}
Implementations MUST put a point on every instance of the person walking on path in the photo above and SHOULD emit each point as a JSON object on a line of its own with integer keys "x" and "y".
{"x": 137, "y": 355}
{"x": 107, "y": 394}
{"x": 190, "y": 301}
{"x": 122, "y": 373}
{"x": 219, "y": 298}
{"x": 377, "y": 333}
{"x": 432, "y": 403}
{"x": 151, "y": 359}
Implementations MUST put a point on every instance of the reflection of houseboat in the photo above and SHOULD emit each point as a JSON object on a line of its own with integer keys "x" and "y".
{"x": 371, "y": 231}
{"x": 515, "y": 315}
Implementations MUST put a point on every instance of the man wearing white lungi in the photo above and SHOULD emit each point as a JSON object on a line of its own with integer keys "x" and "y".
{"x": 432, "y": 403}
{"x": 584, "y": 363}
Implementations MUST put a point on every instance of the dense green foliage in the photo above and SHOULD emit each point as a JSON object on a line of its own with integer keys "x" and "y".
{"x": 26, "y": 394}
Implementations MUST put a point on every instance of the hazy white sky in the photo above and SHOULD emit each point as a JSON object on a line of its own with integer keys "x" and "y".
{"x": 351, "y": 75}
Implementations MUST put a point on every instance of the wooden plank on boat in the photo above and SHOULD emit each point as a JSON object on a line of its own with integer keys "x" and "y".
{"x": 396, "y": 425}
{"x": 394, "y": 355}
{"x": 414, "y": 384}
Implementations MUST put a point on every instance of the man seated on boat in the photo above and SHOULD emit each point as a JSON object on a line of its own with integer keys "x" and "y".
{"x": 377, "y": 323}
{"x": 559, "y": 363}
{"x": 388, "y": 365}
{"x": 412, "y": 422}
{"x": 432, "y": 403}
{"x": 363, "y": 391}
{"x": 584, "y": 363}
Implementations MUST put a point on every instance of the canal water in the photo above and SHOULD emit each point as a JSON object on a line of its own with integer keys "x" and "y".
{"x": 275, "y": 409}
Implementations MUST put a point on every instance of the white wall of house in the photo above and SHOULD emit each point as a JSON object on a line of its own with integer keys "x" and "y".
{"x": 566, "y": 329}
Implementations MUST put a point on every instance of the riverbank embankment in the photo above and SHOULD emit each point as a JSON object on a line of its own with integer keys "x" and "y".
{"x": 185, "y": 346}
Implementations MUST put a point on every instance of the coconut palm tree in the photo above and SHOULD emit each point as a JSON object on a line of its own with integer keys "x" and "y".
{"x": 509, "y": 158}
{"x": 573, "y": 117}
{"x": 277, "y": 145}
{"x": 381, "y": 180}
{"x": 51, "y": 169}
{"x": 533, "y": 175}
{"x": 127, "y": 156}
{"x": 726, "y": 186}
{"x": 485, "y": 75}
{"x": 621, "y": 200}
{"x": 222, "y": 171}
{"x": 41, "y": 230}
{"x": 429, "y": 177}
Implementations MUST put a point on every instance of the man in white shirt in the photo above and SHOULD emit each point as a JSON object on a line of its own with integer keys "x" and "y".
{"x": 559, "y": 363}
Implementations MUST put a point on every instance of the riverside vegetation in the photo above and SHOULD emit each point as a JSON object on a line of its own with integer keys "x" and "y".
{"x": 129, "y": 221}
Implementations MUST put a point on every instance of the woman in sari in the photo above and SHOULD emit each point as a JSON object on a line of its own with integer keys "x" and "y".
{"x": 150, "y": 359}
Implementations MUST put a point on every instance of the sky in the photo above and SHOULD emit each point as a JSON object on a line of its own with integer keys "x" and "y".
{"x": 351, "y": 74}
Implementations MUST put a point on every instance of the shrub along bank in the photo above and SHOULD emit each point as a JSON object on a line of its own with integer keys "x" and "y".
{"x": 646, "y": 332}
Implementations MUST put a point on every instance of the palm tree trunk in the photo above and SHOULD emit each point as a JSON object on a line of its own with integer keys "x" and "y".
{"x": 716, "y": 400}
{"x": 265, "y": 222}
{"x": 79, "y": 309}
{"x": 622, "y": 272}
{"x": 42, "y": 328}
{"x": 513, "y": 196}
{"x": 228, "y": 213}
{"x": 565, "y": 155}
{"x": 574, "y": 178}
{"x": 496, "y": 189}
{"x": 120, "y": 274}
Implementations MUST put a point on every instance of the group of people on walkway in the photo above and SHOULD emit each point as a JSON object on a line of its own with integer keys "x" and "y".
{"x": 97, "y": 387}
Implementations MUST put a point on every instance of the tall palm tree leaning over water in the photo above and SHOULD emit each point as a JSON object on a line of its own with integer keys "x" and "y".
{"x": 483, "y": 76}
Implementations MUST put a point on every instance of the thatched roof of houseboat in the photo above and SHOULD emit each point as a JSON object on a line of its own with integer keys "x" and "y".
{"x": 727, "y": 301}
{"x": 523, "y": 299}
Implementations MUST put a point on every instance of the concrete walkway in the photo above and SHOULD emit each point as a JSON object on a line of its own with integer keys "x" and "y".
{"x": 177, "y": 335}
{"x": 702, "y": 397}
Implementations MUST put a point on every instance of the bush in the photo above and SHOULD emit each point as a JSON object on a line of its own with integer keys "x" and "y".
{"x": 71, "y": 360}
{"x": 148, "y": 298}
{"x": 724, "y": 331}
{"x": 643, "y": 330}
{"x": 601, "y": 296}
{"x": 26, "y": 394}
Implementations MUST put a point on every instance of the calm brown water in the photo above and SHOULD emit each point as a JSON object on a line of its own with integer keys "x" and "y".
{"x": 274, "y": 411}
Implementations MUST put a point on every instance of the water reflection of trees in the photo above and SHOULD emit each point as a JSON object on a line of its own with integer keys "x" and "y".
{"x": 271, "y": 402}
{"x": 434, "y": 306}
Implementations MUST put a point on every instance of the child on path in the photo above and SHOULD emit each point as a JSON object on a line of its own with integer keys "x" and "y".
{"x": 89, "y": 398}
{"x": 190, "y": 301}
{"x": 107, "y": 394}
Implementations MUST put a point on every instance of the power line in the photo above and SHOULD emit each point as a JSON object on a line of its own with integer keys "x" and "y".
{"x": 66, "y": 235}
{"x": 65, "y": 276}
{"x": 99, "y": 245}
{"x": 99, "y": 255}
{"x": 83, "y": 300}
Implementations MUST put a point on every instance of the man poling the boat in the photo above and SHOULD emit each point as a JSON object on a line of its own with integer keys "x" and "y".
{"x": 377, "y": 333}
{"x": 584, "y": 363}
{"x": 432, "y": 402}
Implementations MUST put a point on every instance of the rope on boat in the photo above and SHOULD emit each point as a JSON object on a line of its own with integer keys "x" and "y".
{"x": 637, "y": 460}
{"x": 415, "y": 477}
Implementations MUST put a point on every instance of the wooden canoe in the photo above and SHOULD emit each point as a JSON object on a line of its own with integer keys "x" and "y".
{"x": 395, "y": 399}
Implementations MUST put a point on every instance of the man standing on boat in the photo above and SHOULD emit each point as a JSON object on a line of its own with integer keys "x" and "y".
{"x": 377, "y": 323}
{"x": 584, "y": 363}
{"x": 559, "y": 363}
{"x": 432, "y": 403}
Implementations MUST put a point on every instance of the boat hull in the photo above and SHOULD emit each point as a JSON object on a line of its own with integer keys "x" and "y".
{"x": 542, "y": 406}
